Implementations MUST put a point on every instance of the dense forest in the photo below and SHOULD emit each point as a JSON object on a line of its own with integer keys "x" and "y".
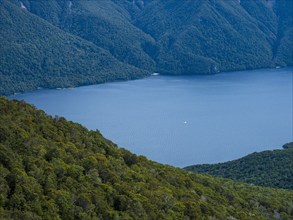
{"x": 267, "y": 168}
{"x": 73, "y": 42}
{"x": 36, "y": 54}
{"x": 51, "y": 168}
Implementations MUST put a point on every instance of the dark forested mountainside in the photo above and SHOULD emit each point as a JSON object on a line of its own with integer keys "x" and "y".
{"x": 73, "y": 42}
{"x": 267, "y": 168}
{"x": 35, "y": 54}
{"x": 54, "y": 169}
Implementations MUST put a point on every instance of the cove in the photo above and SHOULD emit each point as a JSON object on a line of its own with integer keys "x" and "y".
{"x": 183, "y": 120}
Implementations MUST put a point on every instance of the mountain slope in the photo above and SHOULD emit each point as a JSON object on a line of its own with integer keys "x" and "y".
{"x": 35, "y": 54}
{"x": 74, "y": 42}
{"x": 54, "y": 169}
{"x": 206, "y": 36}
{"x": 182, "y": 36}
{"x": 92, "y": 21}
{"x": 283, "y": 49}
{"x": 267, "y": 168}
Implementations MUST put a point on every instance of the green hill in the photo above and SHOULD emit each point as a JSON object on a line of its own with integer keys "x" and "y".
{"x": 267, "y": 168}
{"x": 54, "y": 169}
{"x": 34, "y": 53}
{"x": 68, "y": 43}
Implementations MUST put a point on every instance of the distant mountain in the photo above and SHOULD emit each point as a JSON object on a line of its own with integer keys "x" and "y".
{"x": 75, "y": 42}
{"x": 54, "y": 169}
{"x": 267, "y": 168}
{"x": 34, "y": 53}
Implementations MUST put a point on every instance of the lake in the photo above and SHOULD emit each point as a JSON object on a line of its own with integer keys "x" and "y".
{"x": 183, "y": 120}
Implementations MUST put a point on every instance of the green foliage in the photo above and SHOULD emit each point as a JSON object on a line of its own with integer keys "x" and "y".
{"x": 288, "y": 145}
{"x": 70, "y": 43}
{"x": 35, "y": 54}
{"x": 267, "y": 168}
{"x": 54, "y": 169}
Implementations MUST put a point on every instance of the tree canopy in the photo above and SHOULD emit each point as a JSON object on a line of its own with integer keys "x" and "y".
{"x": 51, "y": 168}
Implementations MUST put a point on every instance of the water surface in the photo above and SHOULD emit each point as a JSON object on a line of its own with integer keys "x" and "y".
{"x": 183, "y": 120}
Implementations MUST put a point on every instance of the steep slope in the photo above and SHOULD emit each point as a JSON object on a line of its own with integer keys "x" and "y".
{"x": 74, "y": 42}
{"x": 54, "y": 169}
{"x": 35, "y": 54}
{"x": 102, "y": 22}
{"x": 267, "y": 168}
{"x": 205, "y": 36}
{"x": 182, "y": 36}
{"x": 283, "y": 48}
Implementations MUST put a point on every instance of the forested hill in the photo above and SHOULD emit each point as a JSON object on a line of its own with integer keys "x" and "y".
{"x": 54, "y": 169}
{"x": 34, "y": 53}
{"x": 267, "y": 168}
{"x": 74, "y": 42}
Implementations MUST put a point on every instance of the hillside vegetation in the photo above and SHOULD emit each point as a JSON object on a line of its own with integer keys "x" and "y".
{"x": 69, "y": 43}
{"x": 35, "y": 54}
{"x": 54, "y": 169}
{"x": 267, "y": 168}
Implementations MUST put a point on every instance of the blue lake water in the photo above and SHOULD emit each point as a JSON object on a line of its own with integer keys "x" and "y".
{"x": 183, "y": 120}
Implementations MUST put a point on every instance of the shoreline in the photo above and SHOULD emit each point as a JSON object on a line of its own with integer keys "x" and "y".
{"x": 151, "y": 75}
